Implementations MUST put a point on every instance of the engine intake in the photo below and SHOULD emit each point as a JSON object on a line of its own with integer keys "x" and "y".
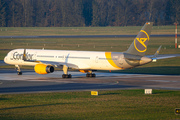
{"x": 43, "y": 69}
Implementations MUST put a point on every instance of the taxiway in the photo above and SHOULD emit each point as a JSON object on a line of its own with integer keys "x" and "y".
{"x": 30, "y": 82}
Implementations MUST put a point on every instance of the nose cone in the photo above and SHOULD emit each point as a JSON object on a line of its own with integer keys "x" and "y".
{"x": 145, "y": 60}
{"x": 5, "y": 59}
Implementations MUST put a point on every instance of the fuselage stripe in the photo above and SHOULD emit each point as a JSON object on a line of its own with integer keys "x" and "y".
{"x": 109, "y": 58}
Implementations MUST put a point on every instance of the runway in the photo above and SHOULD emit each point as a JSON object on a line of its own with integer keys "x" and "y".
{"x": 2, "y": 63}
{"x": 30, "y": 82}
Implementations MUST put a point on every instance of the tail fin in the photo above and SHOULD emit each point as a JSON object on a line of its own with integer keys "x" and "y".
{"x": 140, "y": 43}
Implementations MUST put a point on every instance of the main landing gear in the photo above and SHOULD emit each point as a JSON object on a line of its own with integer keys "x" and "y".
{"x": 90, "y": 74}
{"x": 66, "y": 76}
{"x": 65, "y": 70}
{"x": 18, "y": 69}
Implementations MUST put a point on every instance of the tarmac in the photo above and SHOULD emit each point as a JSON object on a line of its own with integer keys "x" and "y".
{"x": 31, "y": 82}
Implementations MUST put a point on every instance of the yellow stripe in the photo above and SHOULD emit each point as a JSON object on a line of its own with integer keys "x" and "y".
{"x": 108, "y": 57}
{"x": 145, "y": 33}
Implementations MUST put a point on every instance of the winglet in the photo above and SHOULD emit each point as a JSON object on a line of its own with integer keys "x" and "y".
{"x": 156, "y": 54}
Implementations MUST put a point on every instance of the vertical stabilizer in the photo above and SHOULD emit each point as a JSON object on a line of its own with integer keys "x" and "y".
{"x": 140, "y": 43}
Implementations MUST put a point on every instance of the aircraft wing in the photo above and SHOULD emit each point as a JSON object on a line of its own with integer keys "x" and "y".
{"x": 58, "y": 64}
{"x": 75, "y": 65}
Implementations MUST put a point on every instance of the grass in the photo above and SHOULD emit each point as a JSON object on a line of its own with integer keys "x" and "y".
{"x": 119, "y": 104}
{"x": 87, "y": 44}
{"x": 36, "y": 31}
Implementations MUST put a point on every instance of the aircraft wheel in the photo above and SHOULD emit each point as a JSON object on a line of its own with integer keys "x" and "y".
{"x": 93, "y": 75}
{"x": 69, "y": 76}
{"x": 66, "y": 76}
{"x": 63, "y": 76}
{"x": 87, "y": 75}
{"x": 19, "y": 73}
{"x": 90, "y": 75}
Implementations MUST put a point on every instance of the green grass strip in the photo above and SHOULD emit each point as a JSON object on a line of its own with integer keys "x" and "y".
{"x": 119, "y": 104}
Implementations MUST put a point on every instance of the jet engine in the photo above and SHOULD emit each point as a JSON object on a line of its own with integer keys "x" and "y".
{"x": 43, "y": 69}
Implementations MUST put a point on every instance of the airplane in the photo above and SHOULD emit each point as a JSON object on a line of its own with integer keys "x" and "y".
{"x": 45, "y": 61}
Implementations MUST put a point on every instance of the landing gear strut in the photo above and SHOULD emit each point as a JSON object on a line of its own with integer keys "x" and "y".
{"x": 65, "y": 70}
{"x": 18, "y": 69}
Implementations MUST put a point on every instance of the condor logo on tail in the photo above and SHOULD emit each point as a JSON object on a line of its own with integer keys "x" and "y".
{"x": 141, "y": 41}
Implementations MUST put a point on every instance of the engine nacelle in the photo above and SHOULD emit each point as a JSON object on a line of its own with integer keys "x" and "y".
{"x": 43, "y": 69}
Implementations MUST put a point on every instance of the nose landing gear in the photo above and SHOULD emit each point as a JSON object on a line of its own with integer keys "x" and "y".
{"x": 18, "y": 69}
{"x": 19, "y": 73}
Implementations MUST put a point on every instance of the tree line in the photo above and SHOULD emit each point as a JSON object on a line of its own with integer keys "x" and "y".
{"x": 72, "y": 13}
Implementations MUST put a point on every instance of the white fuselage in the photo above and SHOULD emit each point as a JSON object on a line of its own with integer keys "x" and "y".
{"x": 82, "y": 59}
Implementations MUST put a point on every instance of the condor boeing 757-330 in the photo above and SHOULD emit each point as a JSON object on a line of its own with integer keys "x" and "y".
{"x": 44, "y": 61}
